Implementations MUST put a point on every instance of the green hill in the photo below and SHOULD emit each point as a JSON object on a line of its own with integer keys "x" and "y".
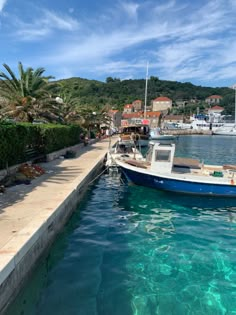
{"x": 117, "y": 93}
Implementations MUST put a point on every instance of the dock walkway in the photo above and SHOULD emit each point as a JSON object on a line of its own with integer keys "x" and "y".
{"x": 25, "y": 209}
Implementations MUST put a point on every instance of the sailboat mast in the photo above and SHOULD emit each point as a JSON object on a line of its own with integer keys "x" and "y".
{"x": 235, "y": 104}
{"x": 145, "y": 104}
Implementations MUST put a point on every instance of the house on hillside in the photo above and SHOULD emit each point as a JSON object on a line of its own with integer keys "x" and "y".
{"x": 174, "y": 118}
{"x": 131, "y": 118}
{"x": 137, "y": 105}
{"x": 162, "y": 104}
{"x": 215, "y": 110}
{"x": 152, "y": 118}
{"x": 213, "y": 99}
{"x": 115, "y": 118}
{"x": 181, "y": 103}
{"x": 128, "y": 108}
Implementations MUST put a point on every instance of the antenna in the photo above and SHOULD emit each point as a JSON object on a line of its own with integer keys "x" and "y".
{"x": 145, "y": 104}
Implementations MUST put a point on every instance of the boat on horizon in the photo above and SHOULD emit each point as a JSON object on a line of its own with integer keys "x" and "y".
{"x": 163, "y": 171}
{"x": 157, "y": 134}
{"x": 225, "y": 131}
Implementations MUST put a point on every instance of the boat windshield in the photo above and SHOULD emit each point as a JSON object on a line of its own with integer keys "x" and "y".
{"x": 162, "y": 155}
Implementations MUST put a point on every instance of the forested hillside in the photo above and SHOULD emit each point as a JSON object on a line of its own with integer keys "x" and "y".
{"x": 117, "y": 93}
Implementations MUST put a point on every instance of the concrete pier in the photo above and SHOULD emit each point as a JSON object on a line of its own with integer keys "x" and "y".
{"x": 31, "y": 216}
{"x": 186, "y": 132}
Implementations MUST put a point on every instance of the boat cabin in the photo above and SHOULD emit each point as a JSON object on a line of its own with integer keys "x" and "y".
{"x": 161, "y": 157}
{"x": 136, "y": 129}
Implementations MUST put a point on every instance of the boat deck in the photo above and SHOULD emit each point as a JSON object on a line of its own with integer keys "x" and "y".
{"x": 192, "y": 167}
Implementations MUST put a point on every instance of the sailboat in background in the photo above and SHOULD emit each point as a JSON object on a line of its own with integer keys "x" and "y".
{"x": 228, "y": 131}
{"x": 138, "y": 132}
{"x": 155, "y": 133}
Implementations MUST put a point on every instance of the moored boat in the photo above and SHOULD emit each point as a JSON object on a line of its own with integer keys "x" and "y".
{"x": 137, "y": 132}
{"x": 161, "y": 170}
{"x": 225, "y": 131}
{"x": 157, "y": 134}
{"x": 123, "y": 150}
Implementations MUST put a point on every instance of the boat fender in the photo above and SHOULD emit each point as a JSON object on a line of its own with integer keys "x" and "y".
{"x": 232, "y": 182}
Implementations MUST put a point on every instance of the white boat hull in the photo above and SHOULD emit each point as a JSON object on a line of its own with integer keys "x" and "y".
{"x": 225, "y": 132}
{"x": 163, "y": 137}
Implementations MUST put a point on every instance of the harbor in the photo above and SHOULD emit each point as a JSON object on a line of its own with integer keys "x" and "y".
{"x": 117, "y": 158}
{"x": 130, "y": 248}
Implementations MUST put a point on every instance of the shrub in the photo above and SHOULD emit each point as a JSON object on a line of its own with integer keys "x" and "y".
{"x": 17, "y": 139}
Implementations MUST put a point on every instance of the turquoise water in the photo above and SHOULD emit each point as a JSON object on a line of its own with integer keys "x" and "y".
{"x": 133, "y": 250}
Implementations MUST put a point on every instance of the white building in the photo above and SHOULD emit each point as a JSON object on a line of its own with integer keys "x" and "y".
{"x": 161, "y": 103}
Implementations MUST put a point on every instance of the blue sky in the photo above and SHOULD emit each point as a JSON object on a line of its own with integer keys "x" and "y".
{"x": 186, "y": 41}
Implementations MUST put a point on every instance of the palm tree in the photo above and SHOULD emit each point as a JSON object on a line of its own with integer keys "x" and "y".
{"x": 29, "y": 96}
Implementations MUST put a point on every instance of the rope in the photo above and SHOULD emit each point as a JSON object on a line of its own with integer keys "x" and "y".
{"x": 105, "y": 169}
{"x": 97, "y": 176}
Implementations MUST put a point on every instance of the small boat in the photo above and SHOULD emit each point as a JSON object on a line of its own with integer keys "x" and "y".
{"x": 225, "y": 132}
{"x": 163, "y": 171}
{"x": 157, "y": 134}
{"x": 137, "y": 132}
{"x": 123, "y": 151}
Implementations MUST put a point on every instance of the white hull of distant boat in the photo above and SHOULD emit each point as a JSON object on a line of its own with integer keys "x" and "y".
{"x": 163, "y": 137}
{"x": 225, "y": 132}
{"x": 156, "y": 135}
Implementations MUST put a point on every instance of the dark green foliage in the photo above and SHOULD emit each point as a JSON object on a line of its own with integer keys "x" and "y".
{"x": 117, "y": 93}
{"x": 18, "y": 139}
{"x": 56, "y": 137}
{"x": 13, "y": 140}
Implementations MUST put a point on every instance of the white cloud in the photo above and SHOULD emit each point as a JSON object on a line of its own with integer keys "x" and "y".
{"x": 162, "y": 8}
{"x": 44, "y": 25}
{"x": 53, "y": 20}
{"x": 2, "y": 4}
{"x": 180, "y": 41}
{"x": 130, "y": 8}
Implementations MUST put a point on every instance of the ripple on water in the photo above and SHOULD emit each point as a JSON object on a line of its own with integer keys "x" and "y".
{"x": 132, "y": 250}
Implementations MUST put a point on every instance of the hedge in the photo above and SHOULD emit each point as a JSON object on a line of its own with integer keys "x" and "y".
{"x": 17, "y": 139}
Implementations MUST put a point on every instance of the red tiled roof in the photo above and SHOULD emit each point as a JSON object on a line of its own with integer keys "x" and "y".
{"x": 153, "y": 114}
{"x": 132, "y": 115}
{"x": 214, "y": 96}
{"x": 113, "y": 111}
{"x": 217, "y": 107}
{"x": 162, "y": 99}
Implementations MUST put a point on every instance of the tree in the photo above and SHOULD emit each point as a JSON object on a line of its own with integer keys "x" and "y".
{"x": 110, "y": 79}
{"x": 28, "y": 97}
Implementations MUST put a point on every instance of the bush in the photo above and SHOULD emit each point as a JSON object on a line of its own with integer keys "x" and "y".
{"x": 56, "y": 137}
{"x": 17, "y": 139}
{"x": 13, "y": 140}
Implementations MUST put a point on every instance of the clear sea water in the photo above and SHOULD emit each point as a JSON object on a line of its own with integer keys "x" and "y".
{"x": 131, "y": 250}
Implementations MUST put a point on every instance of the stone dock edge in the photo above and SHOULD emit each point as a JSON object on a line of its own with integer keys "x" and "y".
{"x": 37, "y": 237}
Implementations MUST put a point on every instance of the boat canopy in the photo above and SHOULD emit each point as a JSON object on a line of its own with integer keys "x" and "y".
{"x": 140, "y": 129}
